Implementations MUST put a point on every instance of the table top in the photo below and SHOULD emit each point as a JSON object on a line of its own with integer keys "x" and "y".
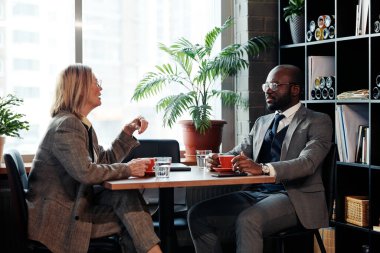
{"x": 195, "y": 177}
{"x": 3, "y": 170}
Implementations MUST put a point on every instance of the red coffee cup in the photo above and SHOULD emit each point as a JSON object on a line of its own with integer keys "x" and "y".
{"x": 151, "y": 164}
{"x": 225, "y": 160}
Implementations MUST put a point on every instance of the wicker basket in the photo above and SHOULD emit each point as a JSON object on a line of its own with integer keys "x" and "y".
{"x": 356, "y": 211}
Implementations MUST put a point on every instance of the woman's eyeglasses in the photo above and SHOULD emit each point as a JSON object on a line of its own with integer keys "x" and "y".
{"x": 273, "y": 86}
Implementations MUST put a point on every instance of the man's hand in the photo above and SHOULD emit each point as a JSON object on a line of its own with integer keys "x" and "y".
{"x": 138, "y": 166}
{"x": 243, "y": 163}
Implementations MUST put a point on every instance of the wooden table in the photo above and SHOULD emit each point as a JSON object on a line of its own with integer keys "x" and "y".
{"x": 195, "y": 177}
{"x": 3, "y": 170}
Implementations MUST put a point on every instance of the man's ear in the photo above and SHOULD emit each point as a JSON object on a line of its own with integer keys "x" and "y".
{"x": 295, "y": 90}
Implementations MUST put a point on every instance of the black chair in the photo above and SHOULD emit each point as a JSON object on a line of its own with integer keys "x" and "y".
{"x": 18, "y": 184}
{"x": 160, "y": 147}
{"x": 164, "y": 147}
{"x": 294, "y": 234}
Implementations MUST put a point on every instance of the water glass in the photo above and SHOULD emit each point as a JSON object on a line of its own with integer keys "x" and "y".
{"x": 201, "y": 158}
{"x": 162, "y": 166}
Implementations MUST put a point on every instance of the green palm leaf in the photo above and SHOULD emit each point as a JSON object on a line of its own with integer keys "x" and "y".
{"x": 194, "y": 69}
{"x": 231, "y": 98}
{"x": 231, "y": 59}
{"x": 201, "y": 116}
{"x": 154, "y": 82}
{"x": 173, "y": 107}
{"x": 211, "y": 36}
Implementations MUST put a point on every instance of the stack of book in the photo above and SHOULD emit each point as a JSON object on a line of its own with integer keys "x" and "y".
{"x": 362, "y": 9}
{"x": 352, "y": 133}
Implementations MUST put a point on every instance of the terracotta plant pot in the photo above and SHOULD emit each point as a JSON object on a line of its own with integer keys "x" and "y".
{"x": 193, "y": 140}
{"x": 2, "y": 142}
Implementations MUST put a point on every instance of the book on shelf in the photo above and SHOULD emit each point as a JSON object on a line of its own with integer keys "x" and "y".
{"x": 348, "y": 119}
{"x": 340, "y": 140}
{"x": 362, "y": 145}
{"x": 358, "y": 18}
{"x": 364, "y": 16}
{"x": 365, "y": 150}
{"x": 361, "y": 24}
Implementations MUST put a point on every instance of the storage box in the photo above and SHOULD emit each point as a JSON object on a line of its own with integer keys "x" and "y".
{"x": 328, "y": 238}
{"x": 356, "y": 211}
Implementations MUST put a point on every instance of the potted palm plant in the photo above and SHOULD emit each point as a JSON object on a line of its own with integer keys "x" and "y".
{"x": 294, "y": 14}
{"x": 11, "y": 123}
{"x": 196, "y": 68}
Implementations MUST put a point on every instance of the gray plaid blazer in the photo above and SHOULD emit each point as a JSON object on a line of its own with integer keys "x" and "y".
{"x": 61, "y": 179}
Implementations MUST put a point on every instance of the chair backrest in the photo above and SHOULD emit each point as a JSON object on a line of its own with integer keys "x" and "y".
{"x": 156, "y": 147}
{"x": 328, "y": 177}
{"x": 18, "y": 183}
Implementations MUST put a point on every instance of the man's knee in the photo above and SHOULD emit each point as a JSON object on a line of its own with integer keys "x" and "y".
{"x": 249, "y": 220}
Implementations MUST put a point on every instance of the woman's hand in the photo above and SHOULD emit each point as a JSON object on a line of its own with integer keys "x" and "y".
{"x": 212, "y": 160}
{"x": 138, "y": 166}
{"x": 139, "y": 123}
{"x": 243, "y": 163}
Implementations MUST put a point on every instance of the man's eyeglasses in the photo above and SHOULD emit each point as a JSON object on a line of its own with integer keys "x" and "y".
{"x": 99, "y": 83}
{"x": 273, "y": 86}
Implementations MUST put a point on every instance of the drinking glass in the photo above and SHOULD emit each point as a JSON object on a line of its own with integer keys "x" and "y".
{"x": 162, "y": 166}
{"x": 201, "y": 158}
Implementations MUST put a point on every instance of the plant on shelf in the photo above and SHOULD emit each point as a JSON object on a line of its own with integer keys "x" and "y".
{"x": 294, "y": 14}
{"x": 11, "y": 123}
{"x": 295, "y": 8}
{"x": 196, "y": 68}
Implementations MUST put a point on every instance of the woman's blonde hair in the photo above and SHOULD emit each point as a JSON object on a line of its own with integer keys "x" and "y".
{"x": 72, "y": 89}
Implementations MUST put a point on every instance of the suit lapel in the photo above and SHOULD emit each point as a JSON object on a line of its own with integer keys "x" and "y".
{"x": 297, "y": 119}
{"x": 267, "y": 121}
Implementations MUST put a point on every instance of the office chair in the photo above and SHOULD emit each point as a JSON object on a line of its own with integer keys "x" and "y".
{"x": 291, "y": 234}
{"x": 18, "y": 184}
{"x": 163, "y": 147}
{"x": 154, "y": 148}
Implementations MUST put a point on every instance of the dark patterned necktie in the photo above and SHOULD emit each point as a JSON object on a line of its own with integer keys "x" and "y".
{"x": 277, "y": 118}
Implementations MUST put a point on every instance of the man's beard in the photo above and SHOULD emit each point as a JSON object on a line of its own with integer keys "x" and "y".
{"x": 280, "y": 103}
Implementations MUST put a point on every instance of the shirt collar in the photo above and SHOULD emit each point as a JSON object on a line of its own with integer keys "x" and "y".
{"x": 86, "y": 122}
{"x": 289, "y": 113}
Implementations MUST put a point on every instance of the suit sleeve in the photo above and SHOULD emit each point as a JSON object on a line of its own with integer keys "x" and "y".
{"x": 246, "y": 145}
{"x": 70, "y": 148}
{"x": 308, "y": 148}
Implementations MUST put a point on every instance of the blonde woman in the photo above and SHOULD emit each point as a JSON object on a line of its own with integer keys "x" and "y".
{"x": 67, "y": 206}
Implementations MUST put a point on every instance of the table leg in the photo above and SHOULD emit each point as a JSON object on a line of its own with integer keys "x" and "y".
{"x": 166, "y": 220}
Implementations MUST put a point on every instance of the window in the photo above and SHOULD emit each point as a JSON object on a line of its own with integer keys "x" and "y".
{"x": 120, "y": 43}
{"x": 25, "y": 9}
{"x": 25, "y": 37}
{"x": 39, "y": 42}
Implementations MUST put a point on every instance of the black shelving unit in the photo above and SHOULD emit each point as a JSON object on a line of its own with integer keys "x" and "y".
{"x": 357, "y": 66}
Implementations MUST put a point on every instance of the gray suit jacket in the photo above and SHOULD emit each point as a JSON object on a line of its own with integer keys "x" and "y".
{"x": 306, "y": 144}
{"x": 60, "y": 183}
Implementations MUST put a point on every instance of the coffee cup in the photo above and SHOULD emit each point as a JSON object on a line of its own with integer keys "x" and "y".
{"x": 225, "y": 160}
{"x": 151, "y": 164}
